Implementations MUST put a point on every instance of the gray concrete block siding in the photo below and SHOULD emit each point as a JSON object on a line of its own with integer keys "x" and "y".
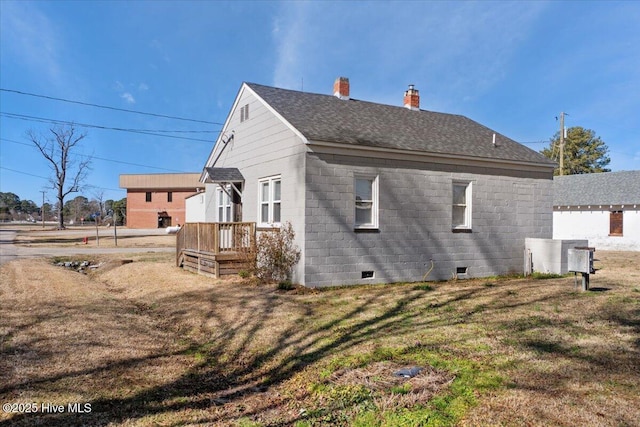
{"x": 415, "y": 204}
{"x": 511, "y": 189}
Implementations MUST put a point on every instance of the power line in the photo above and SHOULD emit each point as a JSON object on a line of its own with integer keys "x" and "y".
{"x": 107, "y": 107}
{"x": 174, "y": 131}
{"x": 65, "y": 122}
{"x": 43, "y": 177}
{"x": 99, "y": 158}
{"x": 24, "y": 173}
{"x": 105, "y": 188}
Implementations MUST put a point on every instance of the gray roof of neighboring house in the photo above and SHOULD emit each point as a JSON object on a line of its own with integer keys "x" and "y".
{"x": 607, "y": 188}
{"x": 330, "y": 119}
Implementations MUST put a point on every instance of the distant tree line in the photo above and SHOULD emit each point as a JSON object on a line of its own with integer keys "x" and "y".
{"x": 14, "y": 209}
{"x": 76, "y": 211}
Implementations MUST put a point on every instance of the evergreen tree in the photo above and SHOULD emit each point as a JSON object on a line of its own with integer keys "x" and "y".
{"x": 584, "y": 152}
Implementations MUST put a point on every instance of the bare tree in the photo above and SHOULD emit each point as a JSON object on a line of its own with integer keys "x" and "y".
{"x": 58, "y": 148}
{"x": 99, "y": 197}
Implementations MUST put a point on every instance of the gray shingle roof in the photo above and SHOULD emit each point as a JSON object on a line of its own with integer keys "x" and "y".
{"x": 224, "y": 175}
{"x": 329, "y": 119}
{"x": 608, "y": 188}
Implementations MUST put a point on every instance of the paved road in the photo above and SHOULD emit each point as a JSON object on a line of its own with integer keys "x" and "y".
{"x": 9, "y": 251}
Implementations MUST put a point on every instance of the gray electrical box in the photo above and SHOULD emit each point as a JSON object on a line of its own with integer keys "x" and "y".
{"x": 580, "y": 261}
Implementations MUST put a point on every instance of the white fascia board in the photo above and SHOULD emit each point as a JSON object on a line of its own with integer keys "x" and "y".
{"x": 203, "y": 176}
{"x": 275, "y": 113}
{"x": 219, "y": 145}
{"x": 604, "y": 207}
{"x": 422, "y": 156}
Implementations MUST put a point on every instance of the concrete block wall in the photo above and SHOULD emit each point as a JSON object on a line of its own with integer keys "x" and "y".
{"x": 415, "y": 221}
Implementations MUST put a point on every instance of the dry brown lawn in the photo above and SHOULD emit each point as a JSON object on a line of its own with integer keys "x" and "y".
{"x": 32, "y": 236}
{"x": 147, "y": 344}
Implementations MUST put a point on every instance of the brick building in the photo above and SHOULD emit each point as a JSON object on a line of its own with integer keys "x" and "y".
{"x": 157, "y": 200}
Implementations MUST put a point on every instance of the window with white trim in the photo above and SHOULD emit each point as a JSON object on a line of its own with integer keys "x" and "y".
{"x": 366, "y": 202}
{"x": 223, "y": 204}
{"x": 461, "y": 206}
{"x": 270, "y": 201}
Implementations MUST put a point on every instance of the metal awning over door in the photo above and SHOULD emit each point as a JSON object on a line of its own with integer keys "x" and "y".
{"x": 229, "y": 178}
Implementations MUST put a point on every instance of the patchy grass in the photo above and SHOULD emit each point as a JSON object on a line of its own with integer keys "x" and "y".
{"x": 544, "y": 276}
{"x": 148, "y": 344}
{"x": 74, "y": 237}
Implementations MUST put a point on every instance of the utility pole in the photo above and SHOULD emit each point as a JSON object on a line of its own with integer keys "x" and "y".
{"x": 42, "y": 210}
{"x": 115, "y": 227}
{"x": 561, "y": 143}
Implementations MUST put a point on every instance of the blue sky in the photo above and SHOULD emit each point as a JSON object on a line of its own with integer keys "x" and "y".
{"x": 512, "y": 66}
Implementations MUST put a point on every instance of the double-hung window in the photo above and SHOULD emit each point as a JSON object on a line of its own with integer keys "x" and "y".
{"x": 366, "y": 202}
{"x": 223, "y": 204}
{"x": 461, "y": 206}
{"x": 270, "y": 200}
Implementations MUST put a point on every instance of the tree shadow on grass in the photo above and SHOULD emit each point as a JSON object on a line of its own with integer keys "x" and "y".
{"x": 599, "y": 289}
{"x": 251, "y": 342}
{"x": 230, "y": 366}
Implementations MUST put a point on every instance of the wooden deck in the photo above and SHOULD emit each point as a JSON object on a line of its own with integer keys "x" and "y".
{"x": 215, "y": 248}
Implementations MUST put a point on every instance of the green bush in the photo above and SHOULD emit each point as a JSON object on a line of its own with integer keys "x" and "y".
{"x": 286, "y": 285}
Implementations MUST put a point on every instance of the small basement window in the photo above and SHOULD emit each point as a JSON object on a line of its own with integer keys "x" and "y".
{"x": 461, "y": 270}
{"x": 367, "y": 275}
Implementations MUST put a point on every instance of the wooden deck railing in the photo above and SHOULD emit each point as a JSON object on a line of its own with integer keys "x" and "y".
{"x": 215, "y": 247}
{"x": 215, "y": 238}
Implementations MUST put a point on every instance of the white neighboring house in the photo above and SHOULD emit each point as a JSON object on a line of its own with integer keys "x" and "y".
{"x": 601, "y": 207}
{"x": 220, "y": 199}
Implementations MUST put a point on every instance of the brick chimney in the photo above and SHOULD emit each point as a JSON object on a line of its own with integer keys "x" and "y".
{"x": 412, "y": 98}
{"x": 341, "y": 88}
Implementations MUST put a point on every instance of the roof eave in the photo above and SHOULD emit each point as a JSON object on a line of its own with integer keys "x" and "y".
{"x": 425, "y": 156}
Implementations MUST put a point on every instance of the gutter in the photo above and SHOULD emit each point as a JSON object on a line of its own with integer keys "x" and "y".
{"x": 423, "y": 156}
